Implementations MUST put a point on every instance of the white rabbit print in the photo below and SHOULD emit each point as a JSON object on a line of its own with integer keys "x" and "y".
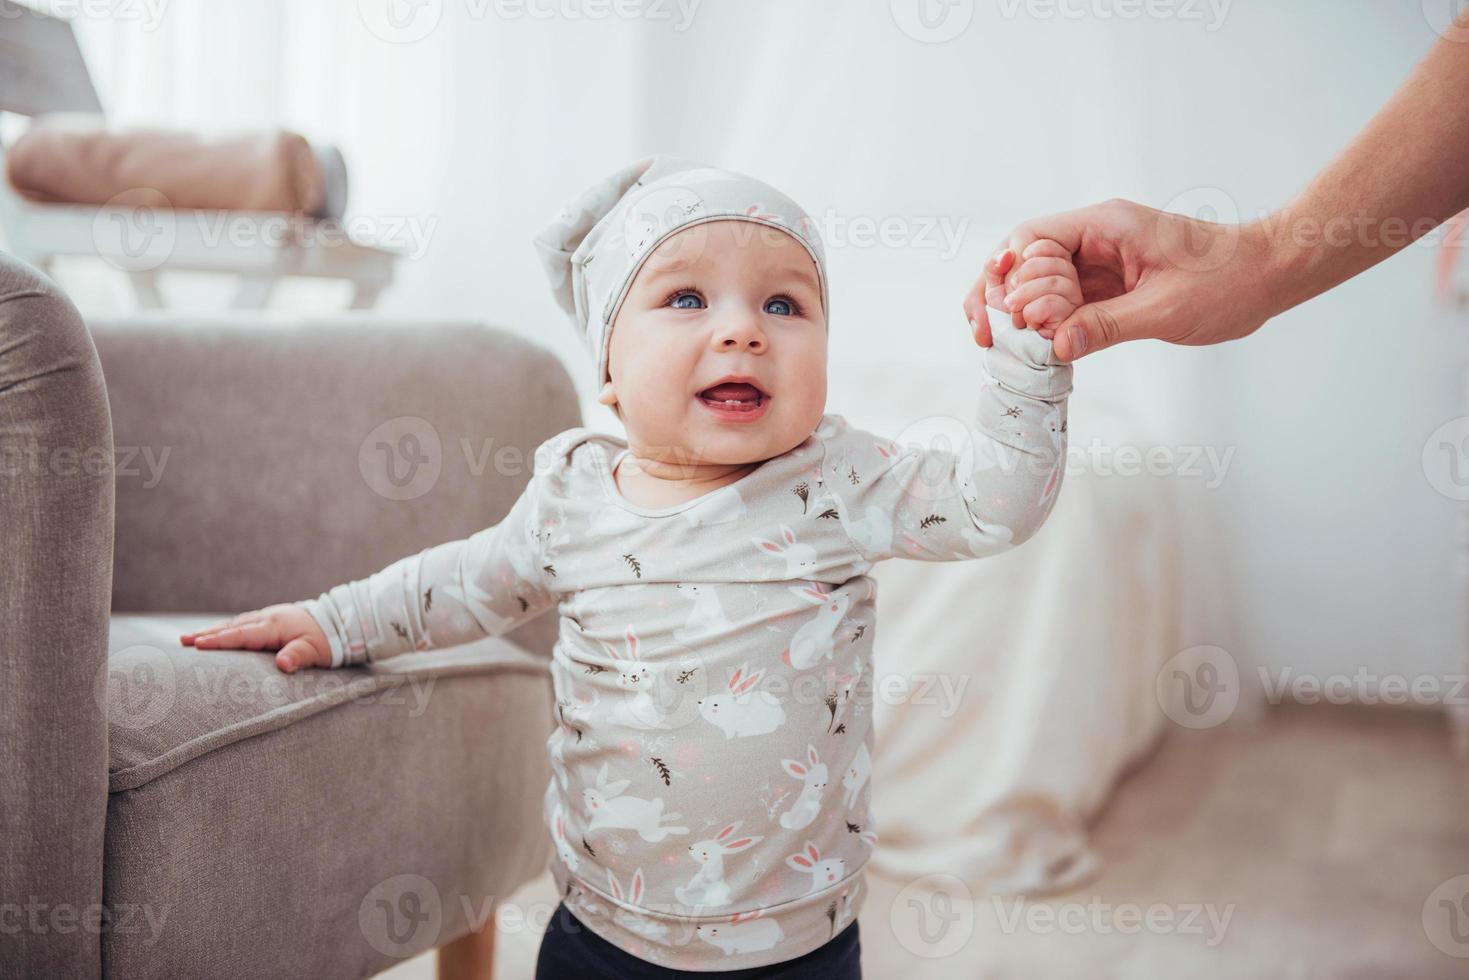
{"x": 742, "y": 710}
{"x": 823, "y": 874}
{"x": 856, "y": 776}
{"x": 720, "y": 507}
{"x": 560, "y": 835}
{"x": 638, "y": 707}
{"x": 816, "y": 639}
{"x": 800, "y": 558}
{"x": 743, "y": 932}
{"x": 609, "y": 809}
{"x": 707, "y": 618}
{"x": 813, "y": 774}
{"x": 477, "y": 601}
{"x": 646, "y": 927}
{"x": 707, "y": 887}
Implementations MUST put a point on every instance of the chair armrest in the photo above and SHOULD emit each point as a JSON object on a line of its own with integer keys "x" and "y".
{"x": 56, "y": 520}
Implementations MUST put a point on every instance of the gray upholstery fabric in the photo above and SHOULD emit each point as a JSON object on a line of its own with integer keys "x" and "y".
{"x": 55, "y": 583}
{"x": 220, "y": 850}
{"x": 246, "y": 469}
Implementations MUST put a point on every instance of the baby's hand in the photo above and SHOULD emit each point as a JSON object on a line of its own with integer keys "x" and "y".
{"x": 1045, "y": 288}
{"x": 285, "y": 627}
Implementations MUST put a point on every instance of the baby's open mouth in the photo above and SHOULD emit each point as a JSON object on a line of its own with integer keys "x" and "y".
{"x": 738, "y": 396}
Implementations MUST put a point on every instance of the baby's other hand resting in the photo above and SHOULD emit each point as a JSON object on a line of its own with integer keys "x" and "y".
{"x": 1047, "y": 288}
{"x": 286, "y": 628}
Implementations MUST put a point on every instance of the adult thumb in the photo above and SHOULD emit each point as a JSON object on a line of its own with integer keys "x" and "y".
{"x": 1097, "y": 326}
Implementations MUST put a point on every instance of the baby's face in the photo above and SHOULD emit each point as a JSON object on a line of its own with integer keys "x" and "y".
{"x": 717, "y": 299}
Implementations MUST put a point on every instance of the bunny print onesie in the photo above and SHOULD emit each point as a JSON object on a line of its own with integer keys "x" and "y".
{"x": 712, "y": 750}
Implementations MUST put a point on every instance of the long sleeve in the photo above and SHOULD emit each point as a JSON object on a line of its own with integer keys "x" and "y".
{"x": 453, "y": 593}
{"x": 983, "y": 491}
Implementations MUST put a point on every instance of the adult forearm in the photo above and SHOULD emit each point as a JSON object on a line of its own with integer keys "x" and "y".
{"x": 1402, "y": 176}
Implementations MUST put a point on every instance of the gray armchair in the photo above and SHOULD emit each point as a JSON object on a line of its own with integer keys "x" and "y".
{"x": 234, "y": 820}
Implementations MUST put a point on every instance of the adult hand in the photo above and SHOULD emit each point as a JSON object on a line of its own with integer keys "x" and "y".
{"x": 1143, "y": 273}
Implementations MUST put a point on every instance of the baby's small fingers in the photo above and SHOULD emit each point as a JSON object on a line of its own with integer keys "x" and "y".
{"x": 1048, "y": 311}
{"x": 188, "y": 639}
{"x": 1029, "y": 292}
{"x": 300, "y": 653}
{"x": 254, "y": 635}
{"x": 1045, "y": 266}
{"x": 1045, "y": 248}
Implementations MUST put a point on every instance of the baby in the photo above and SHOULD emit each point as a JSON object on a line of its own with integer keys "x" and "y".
{"x": 710, "y": 798}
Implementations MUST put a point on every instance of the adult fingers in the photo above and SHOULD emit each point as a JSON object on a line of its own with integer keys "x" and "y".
{"x": 1097, "y": 326}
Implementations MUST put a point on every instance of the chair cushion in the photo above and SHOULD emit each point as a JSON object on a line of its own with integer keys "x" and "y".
{"x": 168, "y": 703}
{"x": 326, "y": 824}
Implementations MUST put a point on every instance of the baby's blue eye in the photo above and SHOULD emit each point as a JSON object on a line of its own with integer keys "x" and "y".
{"x": 783, "y": 307}
{"x": 678, "y": 303}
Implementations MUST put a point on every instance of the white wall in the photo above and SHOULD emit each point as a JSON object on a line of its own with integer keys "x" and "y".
{"x": 1338, "y": 552}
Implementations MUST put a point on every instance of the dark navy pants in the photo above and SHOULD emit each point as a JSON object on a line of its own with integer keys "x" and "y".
{"x": 571, "y": 951}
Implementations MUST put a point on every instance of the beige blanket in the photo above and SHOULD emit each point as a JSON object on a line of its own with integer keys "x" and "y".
{"x": 78, "y": 160}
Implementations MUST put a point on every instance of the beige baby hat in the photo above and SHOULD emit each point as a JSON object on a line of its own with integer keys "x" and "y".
{"x": 595, "y": 246}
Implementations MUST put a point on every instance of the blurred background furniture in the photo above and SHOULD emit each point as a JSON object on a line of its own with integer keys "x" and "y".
{"x": 239, "y": 821}
{"x": 42, "y": 71}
